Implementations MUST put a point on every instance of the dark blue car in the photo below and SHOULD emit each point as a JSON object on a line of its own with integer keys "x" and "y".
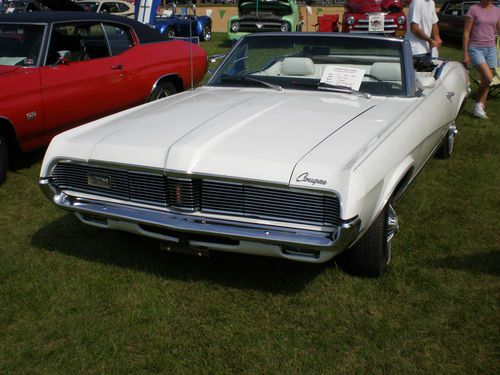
{"x": 164, "y": 17}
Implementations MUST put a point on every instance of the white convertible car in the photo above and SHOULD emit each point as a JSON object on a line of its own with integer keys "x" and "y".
{"x": 298, "y": 147}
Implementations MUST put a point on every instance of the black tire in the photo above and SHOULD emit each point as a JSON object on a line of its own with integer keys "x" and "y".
{"x": 162, "y": 90}
{"x": 371, "y": 254}
{"x": 4, "y": 159}
{"x": 206, "y": 33}
{"x": 170, "y": 32}
{"x": 446, "y": 147}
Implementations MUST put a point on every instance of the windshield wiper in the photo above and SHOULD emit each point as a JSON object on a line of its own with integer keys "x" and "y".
{"x": 228, "y": 78}
{"x": 344, "y": 89}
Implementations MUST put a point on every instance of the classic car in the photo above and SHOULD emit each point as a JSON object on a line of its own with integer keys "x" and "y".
{"x": 374, "y": 16}
{"x": 256, "y": 16}
{"x": 118, "y": 8}
{"x": 299, "y": 148}
{"x": 163, "y": 15}
{"x": 452, "y": 17}
{"x": 62, "y": 69}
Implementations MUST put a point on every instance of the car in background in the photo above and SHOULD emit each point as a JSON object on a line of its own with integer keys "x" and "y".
{"x": 256, "y": 16}
{"x": 452, "y": 17}
{"x": 298, "y": 147}
{"x": 374, "y": 17}
{"x": 62, "y": 69}
{"x": 17, "y": 6}
{"x": 118, "y": 8}
{"x": 163, "y": 15}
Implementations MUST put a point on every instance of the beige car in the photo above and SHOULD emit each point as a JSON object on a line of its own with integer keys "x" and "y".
{"x": 120, "y": 8}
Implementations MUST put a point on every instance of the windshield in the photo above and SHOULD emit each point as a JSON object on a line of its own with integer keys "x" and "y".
{"x": 302, "y": 62}
{"x": 20, "y": 44}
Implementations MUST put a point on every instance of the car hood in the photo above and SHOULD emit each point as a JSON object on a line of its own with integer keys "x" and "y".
{"x": 277, "y": 7}
{"x": 254, "y": 134}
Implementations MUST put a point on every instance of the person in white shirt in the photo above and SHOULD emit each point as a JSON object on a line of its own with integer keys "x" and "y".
{"x": 423, "y": 30}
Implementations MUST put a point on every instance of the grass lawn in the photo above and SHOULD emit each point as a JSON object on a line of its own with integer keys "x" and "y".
{"x": 80, "y": 300}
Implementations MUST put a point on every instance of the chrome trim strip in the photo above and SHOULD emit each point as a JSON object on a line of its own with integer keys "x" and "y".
{"x": 337, "y": 239}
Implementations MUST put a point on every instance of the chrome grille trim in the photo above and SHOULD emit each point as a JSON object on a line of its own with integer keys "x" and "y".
{"x": 202, "y": 194}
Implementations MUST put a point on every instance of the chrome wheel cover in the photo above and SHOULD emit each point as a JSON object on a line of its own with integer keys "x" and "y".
{"x": 452, "y": 132}
{"x": 392, "y": 229}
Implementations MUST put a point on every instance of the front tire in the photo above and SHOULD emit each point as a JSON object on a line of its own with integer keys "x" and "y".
{"x": 162, "y": 90}
{"x": 4, "y": 159}
{"x": 371, "y": 254}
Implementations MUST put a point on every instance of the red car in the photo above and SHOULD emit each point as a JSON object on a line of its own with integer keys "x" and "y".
{"x": 374, "y": 17}
{"x": 62, "y": 69}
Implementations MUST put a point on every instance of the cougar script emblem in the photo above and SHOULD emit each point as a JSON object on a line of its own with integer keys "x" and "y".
{"x": 99, "y": 181}
{"x": 304, "y": 177}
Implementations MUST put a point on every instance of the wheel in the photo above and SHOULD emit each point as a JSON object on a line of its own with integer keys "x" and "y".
{"x": 446, "y": 147}
{"x": 4, "y": 159}
{"x": 162, "y": 90}
{"x": 170, "y": 32}
{"x": 371, "y": 254}
{"x": 206, "y": 33}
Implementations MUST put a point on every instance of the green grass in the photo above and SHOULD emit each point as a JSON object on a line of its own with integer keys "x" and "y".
{"x": 76, "y": 299}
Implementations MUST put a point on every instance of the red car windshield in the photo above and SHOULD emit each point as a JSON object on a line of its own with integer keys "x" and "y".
{"x": 20, "y": 44}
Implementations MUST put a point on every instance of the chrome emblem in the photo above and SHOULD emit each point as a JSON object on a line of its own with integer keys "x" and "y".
{"x": 260, "y": 25}
{"x": 304, "y": 177}
{"x": 31, "y": 115}
{"x": 178, "y": 194}
{"x": 101, "y": 181}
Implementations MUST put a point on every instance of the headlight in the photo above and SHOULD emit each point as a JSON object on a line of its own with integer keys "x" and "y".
{"x": 235, "y": 26}
{"x": 350, "y": 20}
{"x": 401, "y": 20}
{"x": 285, "y": 26}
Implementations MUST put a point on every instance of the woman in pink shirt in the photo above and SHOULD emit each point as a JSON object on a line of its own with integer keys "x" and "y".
{"x": 482, "y": 25}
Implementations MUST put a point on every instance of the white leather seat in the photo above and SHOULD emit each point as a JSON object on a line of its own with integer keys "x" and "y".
{"x": 386, "y": 71}
{"x": 297, "y": 66}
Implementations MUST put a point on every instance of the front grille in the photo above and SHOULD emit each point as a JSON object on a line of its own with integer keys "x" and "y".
{"x": 205, "y": 195}
{"x": 389, "y": 25}
{"x": 258, "y": 27}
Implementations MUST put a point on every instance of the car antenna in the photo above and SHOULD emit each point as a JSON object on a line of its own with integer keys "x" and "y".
{"x": 191, "y": 44}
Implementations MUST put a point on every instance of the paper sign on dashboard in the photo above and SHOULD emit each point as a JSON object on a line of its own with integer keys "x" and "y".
{"x": 343, "y": 76}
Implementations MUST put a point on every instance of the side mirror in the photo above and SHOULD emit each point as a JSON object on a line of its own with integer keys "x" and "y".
{"x": 64, "y": 57}
{"x": 424, "y": 83}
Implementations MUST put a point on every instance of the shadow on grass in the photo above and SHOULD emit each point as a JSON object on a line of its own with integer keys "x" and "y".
{"x": 26, "y": 160}
{"x": 69, "y": 236}
{"x": 481, "y": 263}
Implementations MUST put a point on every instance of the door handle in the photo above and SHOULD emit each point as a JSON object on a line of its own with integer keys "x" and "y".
{"x": 117, "y": 66}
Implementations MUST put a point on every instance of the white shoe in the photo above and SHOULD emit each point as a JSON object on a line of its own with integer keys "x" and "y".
{"x": 478, "y": 110}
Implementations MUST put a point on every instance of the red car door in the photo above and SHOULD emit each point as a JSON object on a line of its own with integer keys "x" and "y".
{"x": 131, "y": 67}
{"x": 80, "y": 77}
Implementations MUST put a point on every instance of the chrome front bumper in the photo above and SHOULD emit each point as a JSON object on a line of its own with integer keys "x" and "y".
{"x": 284, "y": 242}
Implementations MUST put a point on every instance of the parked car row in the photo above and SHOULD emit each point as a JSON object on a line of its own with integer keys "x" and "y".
{"x": 229, "y": 166}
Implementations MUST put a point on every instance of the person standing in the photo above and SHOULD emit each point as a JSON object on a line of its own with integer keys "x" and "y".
{"x": 423, "y": 33}
{"x": 482, "y": 25}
